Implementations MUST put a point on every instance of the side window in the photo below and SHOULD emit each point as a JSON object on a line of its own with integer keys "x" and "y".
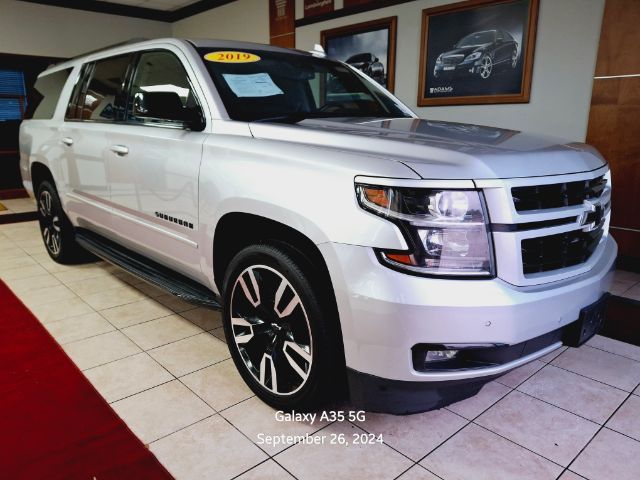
{"x": 161, "y": 93}
{"x": 499, "y": 36}
{"x": 99, "y": 96}
{"x": 49, "y": 88}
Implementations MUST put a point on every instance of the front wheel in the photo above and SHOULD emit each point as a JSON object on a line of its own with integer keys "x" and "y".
{"x": 486, "y": 67}
{"x": 276, "y": 329}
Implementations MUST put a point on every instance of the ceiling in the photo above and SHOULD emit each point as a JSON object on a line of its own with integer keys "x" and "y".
{"x": 165, "y": 5}
{"x": 162, "y": 10}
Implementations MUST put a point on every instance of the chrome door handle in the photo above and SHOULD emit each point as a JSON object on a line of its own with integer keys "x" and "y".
{"x": 119, "y": 150}
{"x": 68, "y": 141}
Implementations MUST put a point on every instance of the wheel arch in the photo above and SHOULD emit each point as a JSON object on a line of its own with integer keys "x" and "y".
{"x": 237, "y": 230}
{"x": 39, "y": 173}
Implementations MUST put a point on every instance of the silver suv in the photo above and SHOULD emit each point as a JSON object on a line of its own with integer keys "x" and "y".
{"x": 352, "y": 246}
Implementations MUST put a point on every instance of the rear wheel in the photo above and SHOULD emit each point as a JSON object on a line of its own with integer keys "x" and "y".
{"x": 277, "y": 331}
{"x": 57, "y": 231}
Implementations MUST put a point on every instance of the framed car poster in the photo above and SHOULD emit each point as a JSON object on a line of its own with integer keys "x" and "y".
{"x": 477, "y": 52}
{"x": 369, "y": 47}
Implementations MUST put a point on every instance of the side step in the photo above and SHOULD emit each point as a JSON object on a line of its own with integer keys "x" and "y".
{"x": 148, "y": 270}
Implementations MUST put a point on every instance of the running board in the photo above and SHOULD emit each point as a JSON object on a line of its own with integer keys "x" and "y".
{"x": 148, "y": 270}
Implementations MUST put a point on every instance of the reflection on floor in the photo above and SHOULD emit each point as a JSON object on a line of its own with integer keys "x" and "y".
{"x": 163, "y": 366}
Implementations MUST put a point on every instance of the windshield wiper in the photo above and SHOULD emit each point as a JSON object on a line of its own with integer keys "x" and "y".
{"x": 294, "y": 117}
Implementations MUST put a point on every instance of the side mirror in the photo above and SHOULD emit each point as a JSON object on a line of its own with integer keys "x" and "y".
{"x": 194, "y": 119}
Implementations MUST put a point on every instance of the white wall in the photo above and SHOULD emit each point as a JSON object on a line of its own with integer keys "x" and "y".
{"x": 565, "y": 56}
{"x": 34, "y": 29}
{"x": 246, "y": 20}
{"x": 566, "y": 49}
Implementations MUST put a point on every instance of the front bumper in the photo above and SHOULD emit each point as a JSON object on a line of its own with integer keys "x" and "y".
{"x": 460, "y": 69}
{"x": 385, "y": 313}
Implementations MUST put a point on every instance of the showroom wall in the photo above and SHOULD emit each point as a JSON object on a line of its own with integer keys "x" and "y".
{"x": 566, "y": 49}
{"x": 246, "y": 20}
{"x": 34, "y": 29}
{"x": 565, "y": 56}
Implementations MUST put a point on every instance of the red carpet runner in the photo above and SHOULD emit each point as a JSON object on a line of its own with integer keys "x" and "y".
{"x": 53, "y": 423}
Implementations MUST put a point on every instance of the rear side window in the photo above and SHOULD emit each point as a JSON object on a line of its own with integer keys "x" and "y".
{"x": 48, "y": 88}
{"x": 98, "y": 94}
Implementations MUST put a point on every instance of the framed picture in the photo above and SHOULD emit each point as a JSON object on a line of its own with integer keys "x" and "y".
{"x": 477, "y": 52}
{"x": 369, "y": 46}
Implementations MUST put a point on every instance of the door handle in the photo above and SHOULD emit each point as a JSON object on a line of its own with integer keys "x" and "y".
{"x": 68, "y": 141}
{"x": 120, "y": 150}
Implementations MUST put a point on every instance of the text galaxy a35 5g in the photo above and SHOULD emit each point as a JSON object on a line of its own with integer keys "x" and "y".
{"x": 353, "y": 247}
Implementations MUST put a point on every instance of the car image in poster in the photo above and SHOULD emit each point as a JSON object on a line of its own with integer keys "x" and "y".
{"x": 476, "y": 52}
{"x": 368, "y": 47}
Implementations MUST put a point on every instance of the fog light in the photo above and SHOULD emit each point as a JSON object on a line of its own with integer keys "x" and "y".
{"x": 440, "y": 355}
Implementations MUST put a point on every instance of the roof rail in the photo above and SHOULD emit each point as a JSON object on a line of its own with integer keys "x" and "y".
{"x": 108, "y": 47}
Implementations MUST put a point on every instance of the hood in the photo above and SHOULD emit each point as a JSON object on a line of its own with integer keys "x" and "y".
{"x": 442, "y": 150}
{"x": 465, "y": 50}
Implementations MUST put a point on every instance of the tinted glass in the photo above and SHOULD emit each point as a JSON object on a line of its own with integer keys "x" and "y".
{"x": 103, "y": 100}
{"x": 49, "y": 88}
{"x": 290, "y": 87}
{"x": 476, "y": 39}
{"x": 161, "y": 92}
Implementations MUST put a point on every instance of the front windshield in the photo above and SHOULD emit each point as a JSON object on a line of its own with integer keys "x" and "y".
{"x": 277, "y": 86}
{"x": 475, "y": 39}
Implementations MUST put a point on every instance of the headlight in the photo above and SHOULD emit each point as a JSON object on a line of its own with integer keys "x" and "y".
{"x": 439, "y": 59}
{"x": 473, "y": 56}
{"x": 446, "y": 230}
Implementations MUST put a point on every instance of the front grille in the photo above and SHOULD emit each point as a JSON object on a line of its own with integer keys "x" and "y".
{"x": 553, "y": 252}
{"x": 557, "y": 195}
{"x": 452, "y": 59}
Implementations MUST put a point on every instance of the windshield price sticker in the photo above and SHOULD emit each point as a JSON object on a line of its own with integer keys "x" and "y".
{"x": 231, "y": 57}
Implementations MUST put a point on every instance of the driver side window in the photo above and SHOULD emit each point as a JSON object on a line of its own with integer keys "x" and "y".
{"x": 161, "y": 93}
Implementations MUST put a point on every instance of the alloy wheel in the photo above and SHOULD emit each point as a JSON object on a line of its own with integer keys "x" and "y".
{"x": 486, "y": 66}
{"x": 50, "y": 223}
{"x": 271, "y": 331}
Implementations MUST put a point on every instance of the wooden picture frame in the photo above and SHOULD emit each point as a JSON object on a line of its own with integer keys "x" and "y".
{"x": 332, "y": 39}
{"x": 470, "y": 80}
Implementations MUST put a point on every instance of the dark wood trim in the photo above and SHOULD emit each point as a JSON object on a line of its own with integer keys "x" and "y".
{"x": 626, "y": 262}
{"x": 135, "y": 12}
{"x": 18, "y": 217}
{"x": 345, "y": 12}
{"x": 195, "y": 8}
{"x": 525, "y": 87}
{"x": 391, "y": 23}
{"x": 12, "y": 193}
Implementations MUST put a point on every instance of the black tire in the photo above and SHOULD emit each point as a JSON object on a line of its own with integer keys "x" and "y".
{"x": 56, "y": 229}
{"x": 260, "y": 346}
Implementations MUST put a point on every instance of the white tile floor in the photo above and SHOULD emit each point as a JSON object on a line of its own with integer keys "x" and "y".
{"x": 17, "y": 205}
{"x": 164, "y": 368}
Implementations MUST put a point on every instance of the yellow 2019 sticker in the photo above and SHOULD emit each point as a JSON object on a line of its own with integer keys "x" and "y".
{"x": 231, "y": 57}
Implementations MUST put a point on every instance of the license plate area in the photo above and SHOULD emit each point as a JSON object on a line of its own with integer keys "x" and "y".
{"x": 449, "y": 68}
{"x": 588, "y": 324}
